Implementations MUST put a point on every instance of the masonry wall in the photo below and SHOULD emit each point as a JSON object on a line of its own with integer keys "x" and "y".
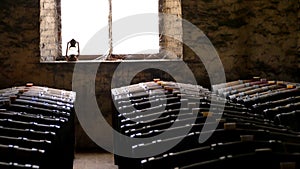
{"x": 253, "y": 38}
{"x": 50, "y": 29}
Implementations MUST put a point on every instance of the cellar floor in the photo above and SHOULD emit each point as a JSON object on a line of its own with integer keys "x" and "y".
{"x": 96, "y": 160}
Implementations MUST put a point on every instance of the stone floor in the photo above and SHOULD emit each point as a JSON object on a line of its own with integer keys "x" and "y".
{"x": 96, "y": 160}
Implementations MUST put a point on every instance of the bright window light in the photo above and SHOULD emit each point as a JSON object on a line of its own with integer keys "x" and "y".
{"x": 138, "y": 20}
{"x": 81, "y": 20}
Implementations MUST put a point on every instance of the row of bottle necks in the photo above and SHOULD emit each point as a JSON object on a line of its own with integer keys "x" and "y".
{"x": 39, "y": 93}
{"x": 257, "y": 96}
{"x": 242, "y": 91}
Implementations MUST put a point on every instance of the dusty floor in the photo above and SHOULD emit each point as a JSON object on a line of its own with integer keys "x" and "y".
{"x": 94, "y": 161}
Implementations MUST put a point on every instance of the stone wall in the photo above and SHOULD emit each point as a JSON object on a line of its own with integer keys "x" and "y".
{"x": 171, "y": 25}
{"x": 50, "y": 39}
{"x": 253, "y": 38}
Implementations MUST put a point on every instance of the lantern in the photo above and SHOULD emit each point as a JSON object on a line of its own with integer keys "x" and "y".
{"x": 72, "y": 51}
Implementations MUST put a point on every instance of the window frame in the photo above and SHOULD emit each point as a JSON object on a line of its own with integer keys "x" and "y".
{"x": 52, "y": 55}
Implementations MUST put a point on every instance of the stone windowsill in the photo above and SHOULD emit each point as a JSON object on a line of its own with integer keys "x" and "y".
{"x": 114, "y": 61}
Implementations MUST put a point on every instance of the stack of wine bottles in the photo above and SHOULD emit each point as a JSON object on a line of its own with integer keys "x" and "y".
{"x": 277, "y": 101}
{"x": 205, "y": 130}
{"x": 36, "y": 128}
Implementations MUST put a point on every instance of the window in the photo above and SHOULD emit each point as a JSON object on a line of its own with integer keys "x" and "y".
{"x": 80, "y": 20}
{"x": 63, "y": 20}
{"x": 136, "y": 44}
{"x": 93, "y": 16}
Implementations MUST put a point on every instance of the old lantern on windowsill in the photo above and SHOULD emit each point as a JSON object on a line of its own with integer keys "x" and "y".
{"x": 72, "y": 52}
